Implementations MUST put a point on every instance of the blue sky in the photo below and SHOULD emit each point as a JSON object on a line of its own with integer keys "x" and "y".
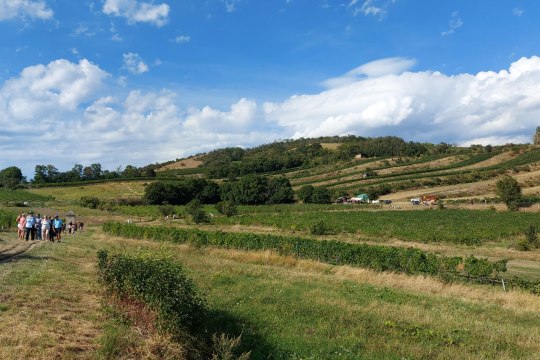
{"x": 134, "y": 82}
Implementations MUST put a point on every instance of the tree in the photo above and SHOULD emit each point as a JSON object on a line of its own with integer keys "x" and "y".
{"x": 509, "y": 191}
{"x": 10, "y": 177}
{"x": 536, "y": 139}
{"x": 306, "y": 193}
{"x": 321, "y": 195}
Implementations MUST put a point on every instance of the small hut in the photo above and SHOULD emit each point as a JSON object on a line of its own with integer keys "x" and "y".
{"x": 70, "y": 217}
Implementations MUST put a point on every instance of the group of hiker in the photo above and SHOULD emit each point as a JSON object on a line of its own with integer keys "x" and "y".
{"x": 32, "y": 227}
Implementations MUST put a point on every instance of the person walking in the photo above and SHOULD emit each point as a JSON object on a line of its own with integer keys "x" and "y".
{"x": 37, "y": 230}
{"x": 45, "y": 227}
{"x": 58, "y": 224}
{"x": 21, "y": 225}
{"x": 29, "y": 227}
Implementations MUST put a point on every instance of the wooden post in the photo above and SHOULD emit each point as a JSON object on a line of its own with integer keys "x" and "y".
{"x": 504, "y": 287}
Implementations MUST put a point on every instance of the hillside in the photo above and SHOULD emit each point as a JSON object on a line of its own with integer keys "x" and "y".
{"x": 283, "y": 281}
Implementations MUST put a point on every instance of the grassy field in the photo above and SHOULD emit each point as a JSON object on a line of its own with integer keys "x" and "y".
{"x": 105, "y": 191}
{"x": 284, "y": 308}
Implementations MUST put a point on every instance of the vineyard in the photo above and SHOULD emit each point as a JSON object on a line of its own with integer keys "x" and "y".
{"x": 454, "y": 226}
{"x": 220, "y": 280}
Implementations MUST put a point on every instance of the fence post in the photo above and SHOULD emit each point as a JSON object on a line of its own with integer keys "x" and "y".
{"x": 504, "y": 287}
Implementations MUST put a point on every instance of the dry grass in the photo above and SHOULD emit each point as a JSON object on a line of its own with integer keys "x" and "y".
{"x": 108, "y": 190}
{"x": 330, "y": 146}
{"x": 190, "y": 163}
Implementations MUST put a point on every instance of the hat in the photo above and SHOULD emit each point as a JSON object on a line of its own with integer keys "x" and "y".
{"x": 31, "y": 212}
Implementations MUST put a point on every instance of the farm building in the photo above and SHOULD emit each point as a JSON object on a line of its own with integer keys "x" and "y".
{"x": 429, "y": 199}
{"x": 360, "y": 156}
{"x": 361, "y": 198}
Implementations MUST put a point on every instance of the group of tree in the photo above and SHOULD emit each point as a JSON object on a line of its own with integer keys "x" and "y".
{"x": 288, "y": 154}
{"x": 249, "y": 190}
{"x": 50, "y": 174}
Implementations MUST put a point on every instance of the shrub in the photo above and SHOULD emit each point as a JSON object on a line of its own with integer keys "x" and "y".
{"x": 319, "y": 228}
{"x": 159, "y": 284}
{"x": 530, "y": 241}
{"x": 227, "y": 208}
{"x": 167, "y": 210}
{"x": 89, "y": 202}
{"x": 195, "y": 209}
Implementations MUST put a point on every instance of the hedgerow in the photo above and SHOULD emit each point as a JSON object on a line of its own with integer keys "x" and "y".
{"x": 377, "y": 257}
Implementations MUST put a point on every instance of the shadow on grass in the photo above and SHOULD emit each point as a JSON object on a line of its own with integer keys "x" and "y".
{"x": 223, "y": 322}
{"x": 18, "y": 257}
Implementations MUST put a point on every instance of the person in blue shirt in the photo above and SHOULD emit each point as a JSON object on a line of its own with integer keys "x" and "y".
{"x": 57, "y": 223}
{"x": 29, "y": 227}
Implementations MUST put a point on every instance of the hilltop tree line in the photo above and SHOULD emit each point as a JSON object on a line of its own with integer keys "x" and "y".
{"x": 284, "y": 155}
{"x": 50, "y": 174}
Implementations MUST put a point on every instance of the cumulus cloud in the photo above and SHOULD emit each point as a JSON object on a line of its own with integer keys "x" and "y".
{"x": 135, "y": 11}
{"x": 454, "y": 24}
{"x": 134, "y": 63}
{"x": 44, "y": 89}
{"x": 35, "y": 9}
{"x": 71, "y": 111}
{"x": 426, "y": 106}
{"x": 240, "y": 116}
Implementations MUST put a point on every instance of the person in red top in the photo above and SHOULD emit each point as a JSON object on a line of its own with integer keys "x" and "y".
{"x": 21, "y": 224}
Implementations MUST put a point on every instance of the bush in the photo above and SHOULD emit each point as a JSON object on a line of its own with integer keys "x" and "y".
{"x": 530, "y": 241}
{"x": 89, "y": 202}
{"x": 319, "y": 228}
{"x": 167, "y": 210}
{"x": 195, "y": 209}
{"x": 227, "y": 208}
{"x": 159, "y": 284}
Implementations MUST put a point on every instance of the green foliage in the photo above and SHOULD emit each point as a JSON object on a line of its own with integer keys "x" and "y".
{"x": 483, "y": 268}
{"x": 457, "y": 226}
{"x": 89, "y": 202}
{"x": 195, "y": 210}
{"x": 380, "y": 258}
{"x": 315, "y": 195}
{"x": 18, "y": 196}
{"x": 7, "y": 219}
{"x": 10, "y": 177}
{"x": 256, "y": 190}
{"x": 159, "y": 284}
{"x": 530, "y": 241}
{"x": 509, "y": 191}
{"x": 227, "y": 208}
{"x": 182, "y": 192}
{"x": 166, "y": 210}
{"x": 319, "y": 228}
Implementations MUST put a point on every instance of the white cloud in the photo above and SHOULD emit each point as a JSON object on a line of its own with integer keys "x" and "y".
{"x": 36, "y": 9}
{"x": 134, "y": 63}
{"x": 182, "y": 39}
{"x": 395, "y": 65}
{"x": 454, "y": 24}
{"x": 375, "y": 8}
{"x": 241, "y": 116}
{"x": 427, "y": 106}
{"x": 230, "y": 5}
{"x": 518, "y": 12}
{"x": 42, "y": 90}
{"x": 74, "y": 103}
{"x": 135, "y": 11}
